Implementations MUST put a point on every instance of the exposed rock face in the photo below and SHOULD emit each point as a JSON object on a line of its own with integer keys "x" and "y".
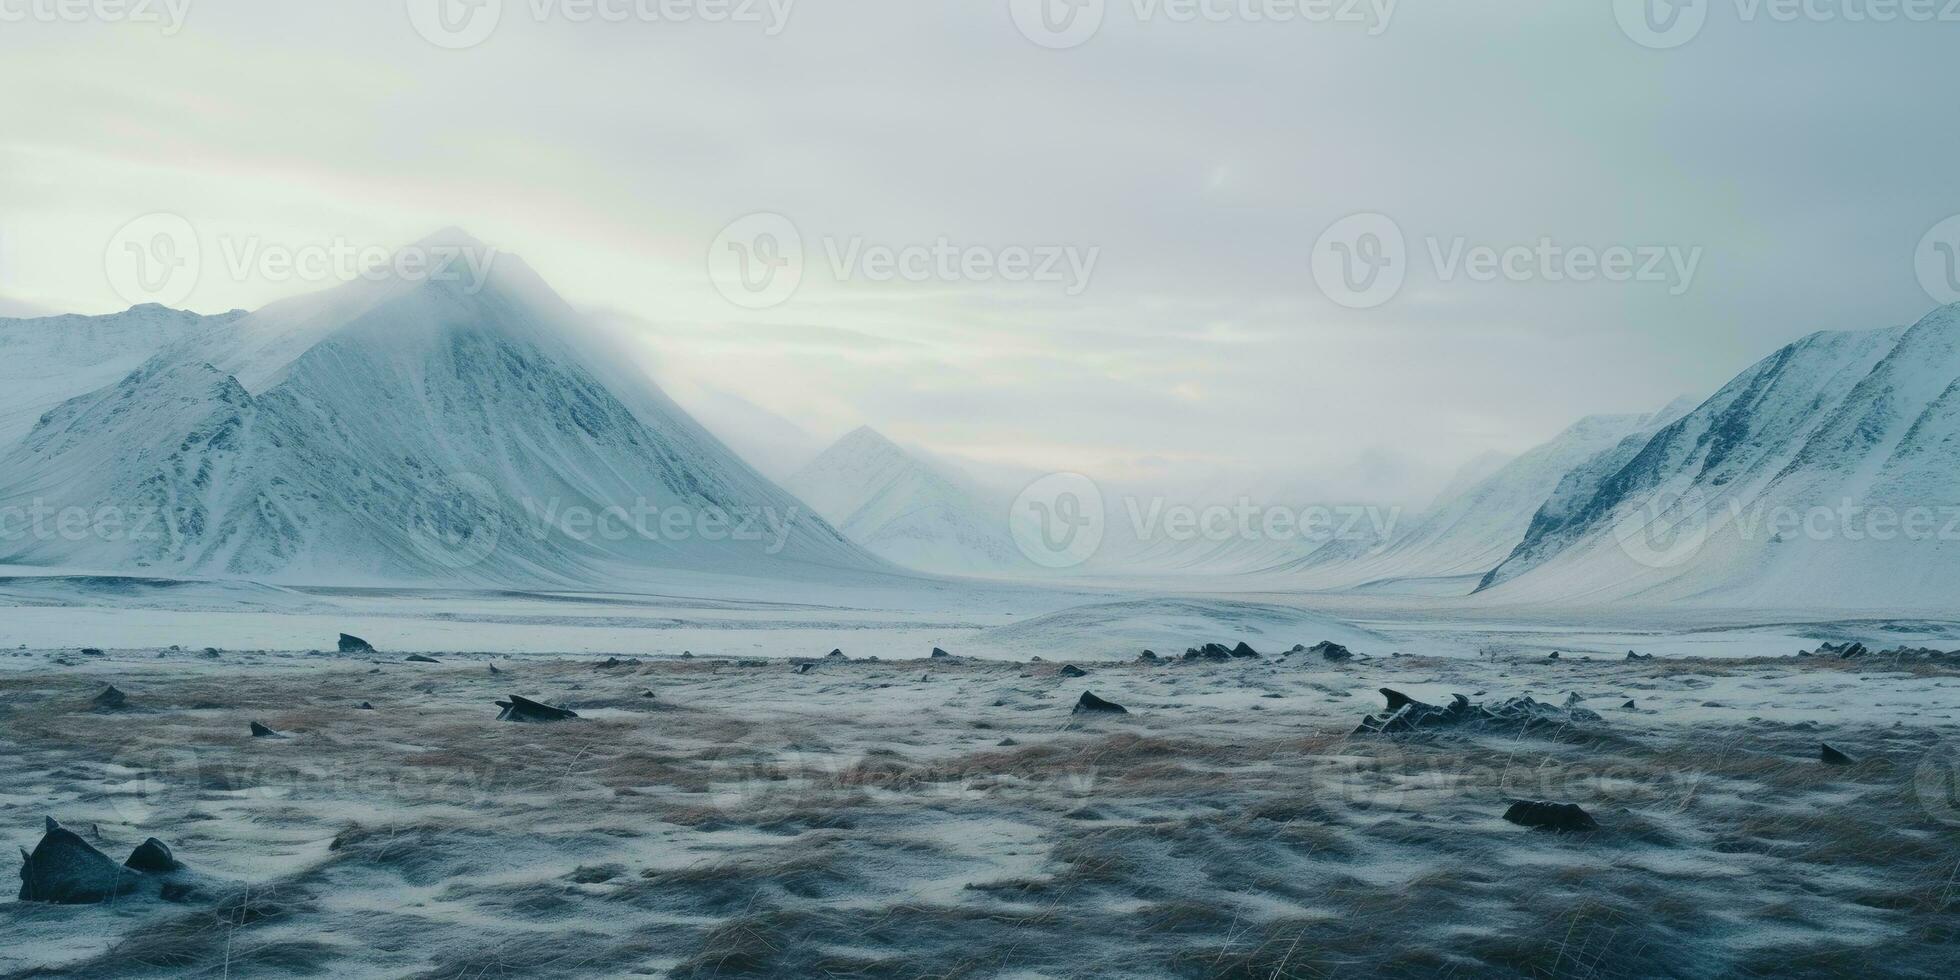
{"x": 1148, "y": 656}
{"x": 1090, "y": 705}
{"x": 832, "y": 655}
{"x": 526, "y": 710}
{"x": 1639, "y": 656}
{"x": 1210, "y": 651}
{"x": 350, "y": 643}
{"x": 1832, "y": 757}
{"x": 1406, "y": 714}
{"x": 111, "y": 699}
{"x": 1563, "y": 817}
{"x": 67, "y": 870}
{"x": 1331, "y": 651}
{"x": 1243, "y": 650}
{"x": 938, "y": 653}
{"x": 1853, "y": 651}
{"x": 261, "y": 731}
{"x": 416, "y": 658}
{"x": 1071, "y": 670}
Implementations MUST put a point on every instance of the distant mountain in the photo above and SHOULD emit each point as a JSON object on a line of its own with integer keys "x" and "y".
{"x": 422, "y": 431}
{"x": 1827, "y": 476}
{"x": 906, "y": 509}
{"x": 1450, "y": 547}
{"x": 45, "y": 361}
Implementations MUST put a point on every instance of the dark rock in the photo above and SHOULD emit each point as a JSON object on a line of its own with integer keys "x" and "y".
{"x": 612, "y": 662}
{"x": 1090, "y": 704}
{"x": 1563, "y": 817}
{"x": 364, "y": 706}
{"x": 527, "y": 710}
{"x": 1332, "y": 651}
{"x": 111, "y": 699}
{"x": 1148, "y": 656}
{"x": 1639, "y": 656}
{"x": 1244, "y": 651}
{"x": 416, "y": 658}
{"x": 1832, "y": 757}
{"x": 260, "y": 731}
{"x": 153, "y": 856}
{"x": 494, "y": 671}
{"x": 647, "y": 693}
{"x": 350, "y": 643}
{"x": 938, "y": 653}
{"x": 1554, "y": 655}
{"x": 91, "y": 652}
{"x": 1071, "y": 670}
{"x": 835, "y": 655}
{"x": 804, "y": 668}
{"x": 1630, "y": 705}
{"x": 1520, "y": 714}
{"x": 65, "y": 869}
{"x": 687, "y": 655}
{"x": 1210, "y": 651}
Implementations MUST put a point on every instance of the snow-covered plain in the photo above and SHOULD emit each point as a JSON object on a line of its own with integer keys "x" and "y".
{"x": 729, "y": 816}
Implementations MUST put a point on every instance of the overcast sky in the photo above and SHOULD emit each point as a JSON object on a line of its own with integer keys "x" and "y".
{"x": 1795, "y": 165}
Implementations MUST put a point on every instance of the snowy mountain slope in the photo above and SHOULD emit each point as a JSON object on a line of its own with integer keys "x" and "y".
{"x": 1456, "y": 542}
{"x": 45, "y": 361}
{"x": 906, "y": 509}
{"x": 438, "y": 433}
{"x": 1824, "y": 476}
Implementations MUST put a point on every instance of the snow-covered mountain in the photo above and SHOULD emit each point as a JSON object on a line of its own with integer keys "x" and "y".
{"x": 1448, "y": 548}
{"x": 48, "y": 360}
{"x": 1827, "y": 476}
{"x": 906, "y": 509}
{"x": 418, "y": 431}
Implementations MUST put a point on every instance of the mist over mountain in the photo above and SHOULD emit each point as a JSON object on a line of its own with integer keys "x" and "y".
{"x": 431, "y": 430}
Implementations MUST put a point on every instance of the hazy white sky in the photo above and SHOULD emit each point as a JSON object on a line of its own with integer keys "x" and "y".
{"x": 1798, "y": 163}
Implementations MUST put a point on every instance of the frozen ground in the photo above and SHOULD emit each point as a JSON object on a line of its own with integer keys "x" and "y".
{"x": 726, "y": 816}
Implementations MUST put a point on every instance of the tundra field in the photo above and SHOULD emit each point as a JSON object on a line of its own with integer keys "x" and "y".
{"x": 953, "y": 817}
